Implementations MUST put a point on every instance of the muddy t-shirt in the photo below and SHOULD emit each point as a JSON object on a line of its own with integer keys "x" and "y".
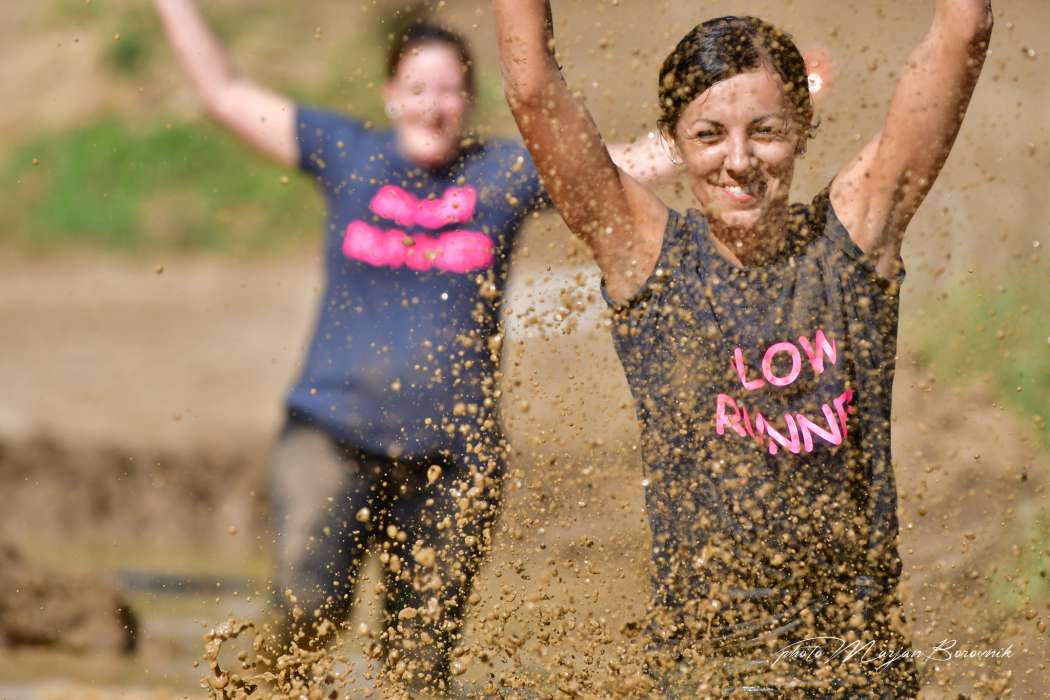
{"x": 416, "y": 262}
{"x": 764, "y": 398}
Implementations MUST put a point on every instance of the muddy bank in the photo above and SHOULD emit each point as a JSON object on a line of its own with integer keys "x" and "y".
{"x": 62, "y": 490}
{"x": 83, "y": 613}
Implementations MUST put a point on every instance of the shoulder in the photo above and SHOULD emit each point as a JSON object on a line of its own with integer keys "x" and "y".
{"x": 331, "y": 139}
{"x": 676, "y": 260}
{"x": 824, "y": 222}
{"x": 317, "y": 117}
{"x": 316, "y": 124}
{"x": 499, "y": 153}
{"x": 504, "y": 166}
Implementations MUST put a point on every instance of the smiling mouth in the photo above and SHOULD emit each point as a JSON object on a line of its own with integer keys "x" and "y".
{"x": 742, "y": 194}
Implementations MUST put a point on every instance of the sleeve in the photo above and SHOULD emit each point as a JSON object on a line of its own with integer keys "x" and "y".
{"x": 650, "y": 295}
{"x": 857, "y": 262}
{"x": 324, "y": 137}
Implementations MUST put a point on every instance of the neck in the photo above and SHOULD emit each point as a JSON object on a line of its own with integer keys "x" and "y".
{"x": 422, "y": 162}
{"x": 754, "y": 246}
{"x": 420, "y": 154}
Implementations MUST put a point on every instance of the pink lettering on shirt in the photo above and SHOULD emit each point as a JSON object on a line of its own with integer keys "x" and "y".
{"x": 832, "y": 435}
{"x": 777, "y": 439}
{"x": 843, "y": 409}
{"x": 724, "y": 420}
{"x": 741, "y": 371}
{"x": 456, "y": 206}
{"x": 454, "y": 251}
{"x": 816, "y": 351}
{"x": 733, "y": 414}
{"x": 767, "y": 364}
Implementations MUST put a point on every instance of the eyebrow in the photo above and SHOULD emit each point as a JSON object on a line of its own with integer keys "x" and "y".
{"x": 756, "y": 120}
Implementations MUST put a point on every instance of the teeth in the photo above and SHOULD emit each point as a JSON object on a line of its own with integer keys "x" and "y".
{"x": 736, "y": 189}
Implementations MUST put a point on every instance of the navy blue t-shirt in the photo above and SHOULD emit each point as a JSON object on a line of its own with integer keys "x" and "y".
{"x": 416, "y": 262}
{"x": 764, "y": 397}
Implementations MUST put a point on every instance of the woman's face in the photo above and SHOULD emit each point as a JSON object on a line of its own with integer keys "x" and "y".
{"x": 739, "y": 143}
{"x": 428, "y": 103}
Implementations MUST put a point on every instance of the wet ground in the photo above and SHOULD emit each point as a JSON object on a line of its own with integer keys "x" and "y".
{"x": 193, "y": 361}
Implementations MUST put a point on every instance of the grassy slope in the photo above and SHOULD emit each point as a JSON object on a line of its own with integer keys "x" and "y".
{"x": 143, "y": 173}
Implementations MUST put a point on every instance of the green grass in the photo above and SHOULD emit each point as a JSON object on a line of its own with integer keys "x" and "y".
{"x": 123, "y": 187}
{"x": 127, "y": 187}
{"x": 1002, "y": 334}
{"x": 138, "y": 185}
{"x": 1029, "y": 572}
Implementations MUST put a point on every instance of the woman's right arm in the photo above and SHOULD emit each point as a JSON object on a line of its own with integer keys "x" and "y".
{"x": 621, "y": 221}
{"x": 259, "y": 117}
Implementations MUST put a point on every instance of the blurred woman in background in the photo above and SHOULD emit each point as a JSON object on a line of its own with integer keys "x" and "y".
{"x": 392, "y": 439}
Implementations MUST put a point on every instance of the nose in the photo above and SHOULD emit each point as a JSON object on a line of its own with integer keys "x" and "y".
{"x": 738, "y": 159}
{"x": 434, "y": 105}
{"x": 427, "y": 100}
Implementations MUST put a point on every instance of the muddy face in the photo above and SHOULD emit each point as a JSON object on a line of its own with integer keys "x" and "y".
{"x": 739, "y": 142}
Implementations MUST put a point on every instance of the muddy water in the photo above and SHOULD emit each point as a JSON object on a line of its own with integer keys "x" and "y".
{"x": 572, "y": 544}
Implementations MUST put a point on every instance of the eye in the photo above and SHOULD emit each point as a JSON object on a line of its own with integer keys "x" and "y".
{"x": 707, "y": 135}
{"x": 769, "y": 132}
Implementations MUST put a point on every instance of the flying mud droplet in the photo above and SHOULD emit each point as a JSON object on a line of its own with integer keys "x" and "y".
{"x": 363, "y": 515}
{"x": 433, "y": 474}
{"x": 425, "y": 557}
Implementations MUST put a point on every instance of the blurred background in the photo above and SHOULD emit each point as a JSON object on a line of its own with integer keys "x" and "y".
{"x": 157, "y": 284}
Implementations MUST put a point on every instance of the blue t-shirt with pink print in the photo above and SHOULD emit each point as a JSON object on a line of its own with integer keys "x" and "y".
{"x": 416, "y": 262}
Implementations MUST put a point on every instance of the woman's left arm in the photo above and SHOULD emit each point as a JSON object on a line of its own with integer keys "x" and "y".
{"x": 879, "y": 191}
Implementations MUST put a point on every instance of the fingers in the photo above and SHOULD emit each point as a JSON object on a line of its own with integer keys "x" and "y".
{"x": 821, "y": 70}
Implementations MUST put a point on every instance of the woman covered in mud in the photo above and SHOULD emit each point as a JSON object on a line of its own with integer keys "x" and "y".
{"x": 759, "y": 340}
{"x": 392, "y": 439}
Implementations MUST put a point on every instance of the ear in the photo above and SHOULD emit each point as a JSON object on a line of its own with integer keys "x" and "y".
{"x": 821, "y": 71}
{"x": 669, "y": 144}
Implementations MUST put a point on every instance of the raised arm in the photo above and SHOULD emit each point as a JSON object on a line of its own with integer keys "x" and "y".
{"x": 261, "y": 118}
{"x": 618, "y": 218}
{"x": 878, "y": 193}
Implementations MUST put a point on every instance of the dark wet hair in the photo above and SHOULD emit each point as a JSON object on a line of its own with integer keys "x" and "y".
{"x": 421, "y": 33}
{"x": 724, "y": 47}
